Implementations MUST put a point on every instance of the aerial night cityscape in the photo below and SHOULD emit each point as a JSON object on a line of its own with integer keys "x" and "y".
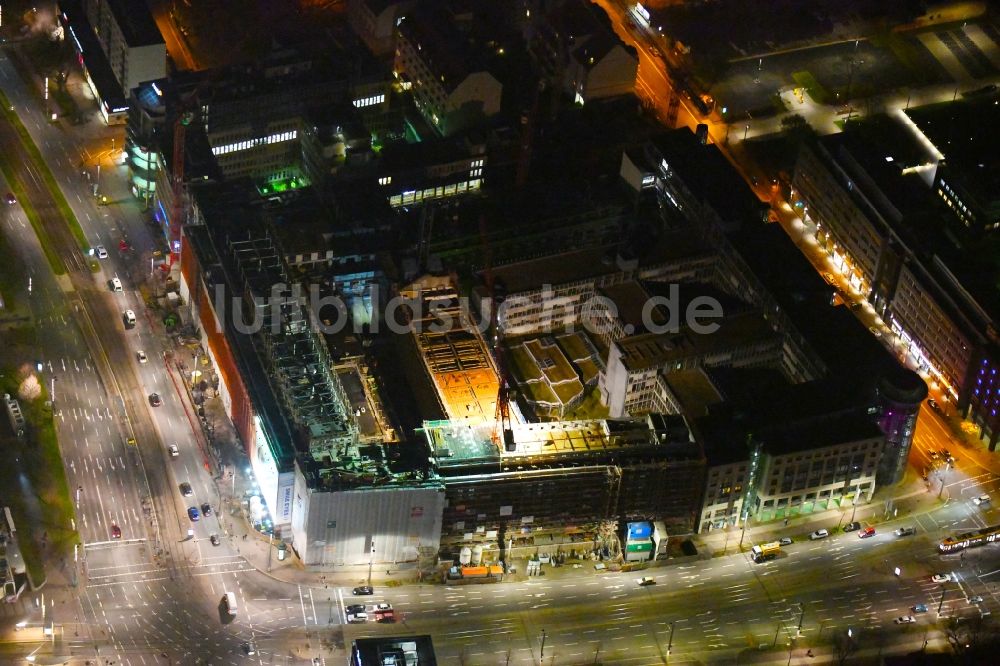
{"x": 499, "y": 332}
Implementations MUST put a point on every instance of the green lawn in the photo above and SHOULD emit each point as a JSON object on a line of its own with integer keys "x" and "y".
{"x": 816, "y": 91}
{"x": 36, "y": 490}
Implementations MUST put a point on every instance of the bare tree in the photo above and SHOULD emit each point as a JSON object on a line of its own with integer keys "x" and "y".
{"x": 843, "y": 647}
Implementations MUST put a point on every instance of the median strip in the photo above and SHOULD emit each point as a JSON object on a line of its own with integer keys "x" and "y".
{"x": 43, "y": 169}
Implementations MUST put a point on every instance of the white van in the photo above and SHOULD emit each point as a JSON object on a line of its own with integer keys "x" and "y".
{"x": 129, "y": 318}
{"x": 230, "y": 602}
{"x": 115, "y": 284}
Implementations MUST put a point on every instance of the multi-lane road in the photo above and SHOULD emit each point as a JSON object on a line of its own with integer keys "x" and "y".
{"x": 156, "y": 590}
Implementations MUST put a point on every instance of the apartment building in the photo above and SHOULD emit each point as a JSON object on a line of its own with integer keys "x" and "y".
{"x": 448, "y": 76}
{"x": 119, "y": 47}
{"x": 374, "y": 21}
{"x": 869, "y": 219}
{"x": 576, "y": 49}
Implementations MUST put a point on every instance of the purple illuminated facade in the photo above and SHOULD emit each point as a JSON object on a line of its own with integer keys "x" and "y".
{"x": 983, "y": 398}
{"x": 899, "y": 398}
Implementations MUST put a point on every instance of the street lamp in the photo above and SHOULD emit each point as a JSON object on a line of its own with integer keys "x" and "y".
{"x": 542, "y": 654}
{"x": 802, "y": 615}
{"x": 371, "y": 561}
{"x": 670, "y": 641}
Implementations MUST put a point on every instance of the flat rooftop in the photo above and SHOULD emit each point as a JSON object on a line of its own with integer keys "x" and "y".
{"x": 589, "y": 263}
{"x": 136, "y": 22}
{"x": 654, "y": 349}
{"x": 457, "y": 445}
{"x": 972, "y": 154}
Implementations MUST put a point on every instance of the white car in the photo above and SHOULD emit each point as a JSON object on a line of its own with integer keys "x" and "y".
{"x": 982, "y": 499}
{"x": 357, "y": 618}
{"x": 819, "y": 534}
{"x": 101, "y": 252}
{"x": 645, "y": 581}
{"x": 941, "y": 578}
{"x": 141, "y": 356}
{"x": 382, "y": 607}
{"x": 905, "y": 619}
{"x": 173, "y": 451}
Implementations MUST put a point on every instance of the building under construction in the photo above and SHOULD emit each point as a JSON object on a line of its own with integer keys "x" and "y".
{"x": 562, "y": 481}
{"x": 453, "y": 351}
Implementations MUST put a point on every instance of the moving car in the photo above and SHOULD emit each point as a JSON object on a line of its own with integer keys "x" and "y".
{"x": 867, "y": 532}
{"x": 206, "y": 509}
{"x": 982, "y": 499}
{"x": 214, "y": 539}
{"x": 852, "y": 527}
{"x": 357, "y": 618}
{"x": 172, "y": 449}
{"x": 155, "y": 400}
{"x": 141, "y": 356}
{"x": 976, "y": 599}
{"x": 819, "y": 534}
{"x": 384, "y": 606}
{"x": 786, "y": 541}
{"x": 193, "y": 514}
{"x": 356, "y": 608}
{"x": 186, "y": 489}
{"x": 10, "y": 198}
{"x": 128, "y": 317}
{"x": 250, "y": 649}
{"x": 115, "y": 285}
{"x": 919, "y": 608}
{"x": 933, "y": 404}
{"x": 941, "y": 578}
{"x": 116, "y": 532}
{"x": 102, "y": 253}
{"x": 363, "y": 589}
{"x": 905, "y": 619}
{"x": 645, "y": 581}
{"x": 905, "y": 531}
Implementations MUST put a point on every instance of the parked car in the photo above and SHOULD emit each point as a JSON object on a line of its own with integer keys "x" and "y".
{"x": 357, "y": 618}
{"x": 102, "y": 253}
{"x": 10, "y": 198}
{"x": 919, "y": 608}
{"x": 819, "y": 534}
{"x": 786, "y": 541}
{"x": 905, "y": 531}
{"x": 206, "y": 509}
{"x": 381, "y": 607}
{"x": 866, "y": 532}
{"x": 852, "y": 527}
{"x": 982, "y": 499}
{"x": 193, "y": 514}
{"x": 363, "y": 589}
{"x": 141, "y": 356}
{"x": 905, "y": 619}
{"x": 975, "y": 599}
{"x": 941, "y": 578}
{"x": 356, "y": 608}
{"x": 645, "y": 581}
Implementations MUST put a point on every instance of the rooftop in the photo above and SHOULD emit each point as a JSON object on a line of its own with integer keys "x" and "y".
{"x": 136, "y": 22}
{"x": 590, "y": 263}
{"x": 650, "y": 350}
{"x": 971, "y": 154}
{"x": 457, "y": 447}
{"x": 393, "y": 651}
